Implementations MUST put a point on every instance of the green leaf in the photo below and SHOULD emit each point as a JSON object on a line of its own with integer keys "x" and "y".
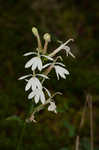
{"x": 15, "y": 118}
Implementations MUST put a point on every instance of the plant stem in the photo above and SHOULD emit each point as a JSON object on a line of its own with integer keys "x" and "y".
{"x": 91, "y": 121}
{"x": 21, "y": 136}
{"x": 59, "y": 48}
{"x": 81, "y": 125}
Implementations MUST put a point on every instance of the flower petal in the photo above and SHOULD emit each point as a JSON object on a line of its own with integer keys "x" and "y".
{"x": 31, "y": 95}
{"x": 23, "y": 77}
{"x": 29, "y": 63}
{"x": 49, "y": 94}
{"x": 42, "y": 97}
{"x": 48, "y": 57}
{"x": 29, "y": 53}
{"x": 46, "y": 65}
{"x": 42, "y": 75}
{"x": 34, "y": 65}
{"x": 36, "y": 98}
{"x": 61, "y": 64}
{"x": 39, "y": 64}
{"x": 29, "y": 84}
{"x": 38, "y": 84}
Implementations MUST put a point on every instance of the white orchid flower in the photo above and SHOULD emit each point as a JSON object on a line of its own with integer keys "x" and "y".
{"x": 68, "y": 52}
{"x": 60, "y": 71}
{"x": 38, "y": 95}
{"x": 35, "y": 62}
{"x": 52, "y": 107}
{"x": 33, "y": 82}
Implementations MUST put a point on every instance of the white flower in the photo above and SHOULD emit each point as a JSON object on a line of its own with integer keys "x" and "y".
{"x": 60, "y": 71}
{"x": 33, "y": 82}
{"x": 35, "y": 62}
{"x": 52, "y": 107}
{"x": 37, "y": 94}
{"x": 68, "y": 52}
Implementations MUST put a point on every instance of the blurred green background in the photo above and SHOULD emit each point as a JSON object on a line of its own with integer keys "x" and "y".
{"x": 64, "y": 19}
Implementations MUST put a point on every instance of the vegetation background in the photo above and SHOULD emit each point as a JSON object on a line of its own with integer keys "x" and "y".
{"x": 78, "y": 19}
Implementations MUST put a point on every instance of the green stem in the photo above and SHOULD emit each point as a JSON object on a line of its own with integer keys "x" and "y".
{"x": 21, "y": 136}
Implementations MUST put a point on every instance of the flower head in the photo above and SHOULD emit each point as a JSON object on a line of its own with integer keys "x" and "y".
{"x": 47, "y": 37}
{"x": 35, "y": 31}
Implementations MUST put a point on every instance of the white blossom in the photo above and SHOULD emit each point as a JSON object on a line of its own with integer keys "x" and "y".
{"x": 35, "y": 62}
{"x": 38, "y": 95}
{"x": 33, "y": 83}
{"x": 52, "y": 107}
{"x": 60, "y": 71}
{"x": 68, "y": 52}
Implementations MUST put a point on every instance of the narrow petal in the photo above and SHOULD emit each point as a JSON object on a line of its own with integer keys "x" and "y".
{"x": 34, "y": 65}
{"x": 29, "y": 63}
{"x": 46, "y": 65}
{"x": 42, "y": 75}
{"x": 66, "y": 71}
{"x": 56, "y": 72}
{"x": 39, "y": 64}
{"x": 36, "y": 98}
{"x": 38, "y": 84}
{"x": 23, "y": 77}
{"x": 48, "y": 57}
{"x": 33, "y": 83}
{"x": 49, "y": 94}
{"x": 42, "y": 96}
{"x": 61, "y": 64}
{"x": 63, "y": 76}
{"x": 31, "y": 95}
{"x": 29, "y": 53}
{"x": 29, "y": 84}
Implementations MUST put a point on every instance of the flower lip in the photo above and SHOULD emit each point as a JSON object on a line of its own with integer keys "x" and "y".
{"x": 35, "y": 62}
{"x": 38, "y": 95}
{"x": 60, "y": 71}
{"x": 33, "y": 83}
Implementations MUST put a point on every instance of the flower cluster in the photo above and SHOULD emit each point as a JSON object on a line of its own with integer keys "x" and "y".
{"x": 41, "y": 65}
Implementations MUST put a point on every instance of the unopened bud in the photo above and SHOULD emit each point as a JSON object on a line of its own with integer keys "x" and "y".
{"x": 35, "y": 31}
{"x": 47, "y": 37}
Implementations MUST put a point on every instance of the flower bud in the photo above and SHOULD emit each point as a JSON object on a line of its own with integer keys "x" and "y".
{"x": 47, "y": 37}
{"x": 35, "y": 31}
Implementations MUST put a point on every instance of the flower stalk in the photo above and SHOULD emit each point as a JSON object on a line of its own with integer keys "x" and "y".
{"x": 36, "y": 80}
